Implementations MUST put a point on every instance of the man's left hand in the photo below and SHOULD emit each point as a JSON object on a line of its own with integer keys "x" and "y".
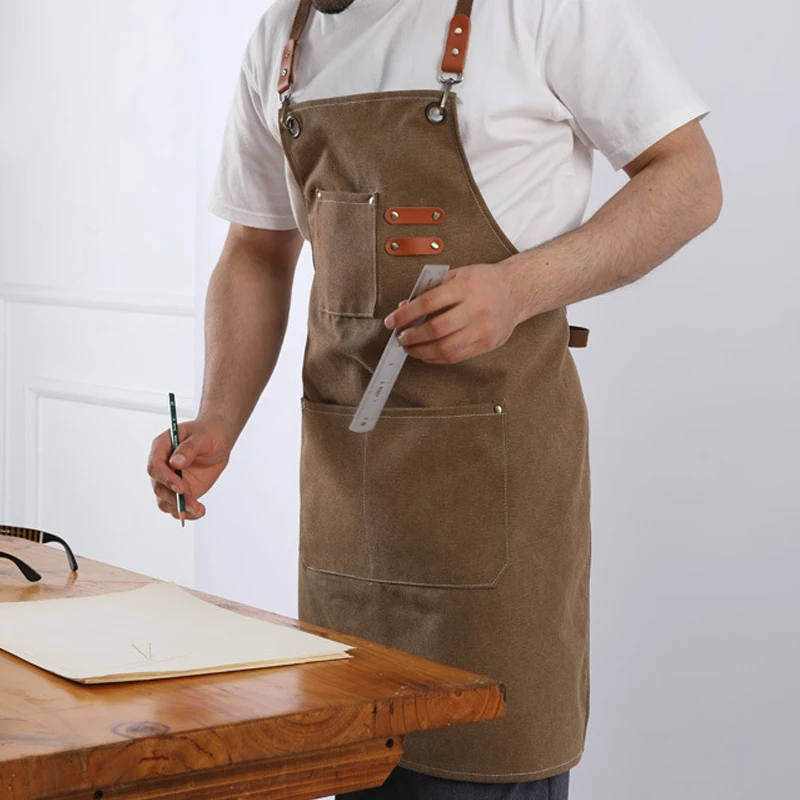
{"x": 474, "y": 313}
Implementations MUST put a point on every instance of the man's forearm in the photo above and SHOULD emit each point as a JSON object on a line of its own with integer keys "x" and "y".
{"x": 673, "y": 195}
{"x": 247, "y": 310}
{"x": 669, "y": 200}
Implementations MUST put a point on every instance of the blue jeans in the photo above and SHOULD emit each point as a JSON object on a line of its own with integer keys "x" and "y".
{"x": 403, "y": 784}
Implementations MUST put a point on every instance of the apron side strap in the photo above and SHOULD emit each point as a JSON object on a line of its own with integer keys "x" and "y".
{"x": 455, "y": 50}
{"x": 578, "y": 337}
{"x": 286, "y": 72}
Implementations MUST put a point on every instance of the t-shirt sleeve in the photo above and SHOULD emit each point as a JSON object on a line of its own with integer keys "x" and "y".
{"x": 608, "y": 67}
{"x": 250, "y": 186}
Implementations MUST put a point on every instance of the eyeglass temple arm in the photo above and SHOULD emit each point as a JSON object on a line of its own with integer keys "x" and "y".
{"x": 31, "y": 574}
{"x": 51, "y": 537}
{"x": 32, "y": 535}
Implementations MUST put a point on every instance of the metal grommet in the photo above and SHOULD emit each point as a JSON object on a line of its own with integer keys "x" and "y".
{"x": 435, "y": 113}
{"x": 292, "y": 126}
{"x": 498, "y": 409}
{"x": 434, "y": 245}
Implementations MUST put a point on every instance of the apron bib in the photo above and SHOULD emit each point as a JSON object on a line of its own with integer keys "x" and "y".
{"x": 458, "y": 529}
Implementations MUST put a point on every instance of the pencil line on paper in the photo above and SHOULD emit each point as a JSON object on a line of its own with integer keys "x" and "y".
{"x": 140, "y": 652}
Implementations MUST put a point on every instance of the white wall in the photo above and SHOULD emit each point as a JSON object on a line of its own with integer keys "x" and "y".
{"x": 98, "y": 166}
{"x": 694, "y": 392}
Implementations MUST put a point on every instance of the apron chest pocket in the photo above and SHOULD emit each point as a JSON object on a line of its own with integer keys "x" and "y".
{"x": 343, "y": 242}
{"x": 420, "y": 501}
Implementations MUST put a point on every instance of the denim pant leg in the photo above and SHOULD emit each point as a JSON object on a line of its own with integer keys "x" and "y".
{"x": 403, "y": 784}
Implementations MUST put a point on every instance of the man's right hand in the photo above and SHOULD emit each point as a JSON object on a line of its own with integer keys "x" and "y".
{"x": 247, "y": 309}
{"x": 204, "y": 451}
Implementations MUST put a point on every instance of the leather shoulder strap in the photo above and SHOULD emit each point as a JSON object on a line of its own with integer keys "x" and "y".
{"x": 286, "y": 72}
{"x": 455, "y": 49}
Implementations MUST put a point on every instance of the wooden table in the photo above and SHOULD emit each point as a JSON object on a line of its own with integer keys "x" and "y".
{"x": 286, "y": 732}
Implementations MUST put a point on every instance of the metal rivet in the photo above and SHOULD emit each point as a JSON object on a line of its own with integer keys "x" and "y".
{"x": 394, "y": 246}
{"x": 319, "y": 195}
{"x": 436, "y": 215}
{"x": 458, "y": 31}
{"x": 284, "y": 72}
{"x": 455, "y": 51}
{"x": 395, "y": 215}
{"x": 434, "y": 113}
{"x": 372, "y": 200}
{"x": 498, "y": 409}
{"x": 435, "y": 245}
{"x": 293, "y": 126}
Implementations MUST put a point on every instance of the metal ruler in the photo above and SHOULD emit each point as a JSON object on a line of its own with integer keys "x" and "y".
{"x": 393, "y": 358}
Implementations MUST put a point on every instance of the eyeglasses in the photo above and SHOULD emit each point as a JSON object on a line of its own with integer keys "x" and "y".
{"x": 41, "y": 537}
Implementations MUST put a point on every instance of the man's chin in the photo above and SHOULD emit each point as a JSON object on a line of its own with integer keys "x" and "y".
{"x": 331, "y": 6}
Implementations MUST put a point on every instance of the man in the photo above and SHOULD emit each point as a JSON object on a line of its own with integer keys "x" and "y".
{"x": 459, "y": 528}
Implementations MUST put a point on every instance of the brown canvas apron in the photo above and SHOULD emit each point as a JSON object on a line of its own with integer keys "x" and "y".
{"x": 459, "y": 528}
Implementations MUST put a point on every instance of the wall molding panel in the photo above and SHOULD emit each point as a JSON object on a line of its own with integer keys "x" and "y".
{"x": 102, "y": 299}
{"x": 87, "y": 299}
{"x": 38, "y": 389}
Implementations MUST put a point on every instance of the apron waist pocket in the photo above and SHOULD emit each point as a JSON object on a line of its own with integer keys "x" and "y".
{"x": 422, "y": 500}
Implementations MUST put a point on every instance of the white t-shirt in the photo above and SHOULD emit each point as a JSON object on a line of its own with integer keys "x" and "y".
{"x": 546, "y": 82}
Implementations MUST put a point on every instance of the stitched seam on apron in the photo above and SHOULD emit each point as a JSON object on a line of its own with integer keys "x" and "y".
{"x": 494, "y": 774}
{"x": 370, "y": 562}
{"x": 433, "y": 96}
{"x": 415, "y": 417}
{"x": 505, "y": 500}
{"x": 405, "y": 583}
{"x": 345, "y": 314}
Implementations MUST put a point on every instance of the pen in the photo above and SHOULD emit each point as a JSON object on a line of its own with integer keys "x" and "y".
{"x": 173, "y": 418}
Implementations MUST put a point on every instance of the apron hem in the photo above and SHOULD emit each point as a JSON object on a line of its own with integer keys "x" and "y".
{"x": 487, "y": 777}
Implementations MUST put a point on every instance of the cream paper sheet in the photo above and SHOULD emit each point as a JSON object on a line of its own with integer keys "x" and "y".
{"x": 157, "y": 631}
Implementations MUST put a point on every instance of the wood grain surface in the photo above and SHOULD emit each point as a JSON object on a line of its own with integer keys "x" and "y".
{"x": 283, "y": 732}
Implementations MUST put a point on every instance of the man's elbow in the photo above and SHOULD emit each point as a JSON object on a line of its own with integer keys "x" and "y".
{"x": 709, "y": 204}
{"x": 705, "y": 193}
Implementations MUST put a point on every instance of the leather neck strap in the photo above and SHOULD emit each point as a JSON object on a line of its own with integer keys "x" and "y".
{"x": 455, "y": 54}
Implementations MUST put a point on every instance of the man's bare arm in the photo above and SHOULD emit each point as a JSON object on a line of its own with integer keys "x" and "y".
{"x": 246, "y": 314}
{"x": 247, "y": 310}
{"x": 673, "y": 195}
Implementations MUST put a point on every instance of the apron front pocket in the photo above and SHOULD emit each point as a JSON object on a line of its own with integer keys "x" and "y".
{"x": 422, "y": 500}
{"x": 343, "y": 242}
